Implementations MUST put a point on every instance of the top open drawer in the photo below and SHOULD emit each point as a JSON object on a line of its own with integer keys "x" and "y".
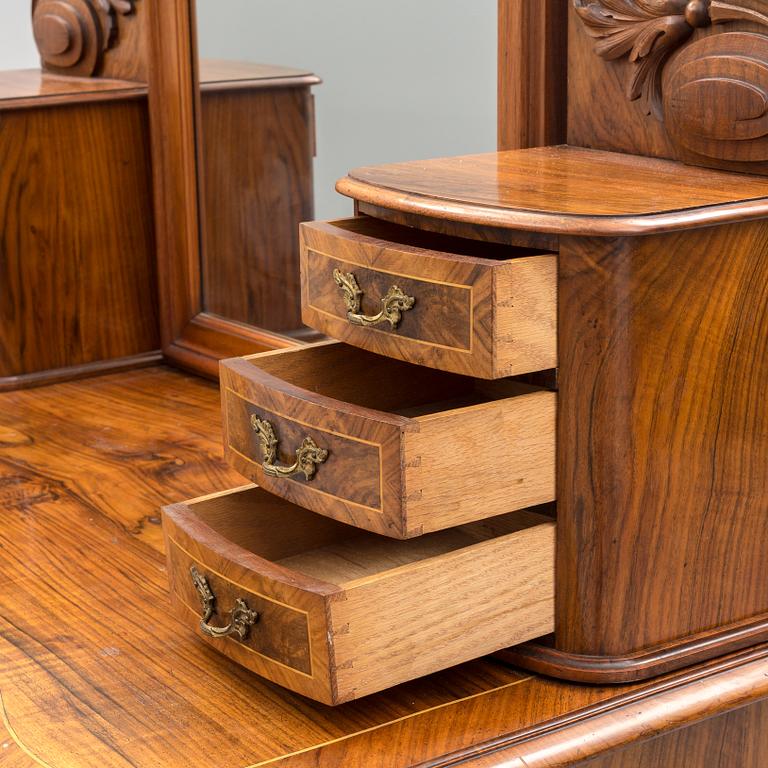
{"x": 458, "y": 305}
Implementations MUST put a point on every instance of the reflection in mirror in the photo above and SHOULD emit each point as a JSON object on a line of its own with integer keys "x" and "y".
{"x": 401, "y": 81}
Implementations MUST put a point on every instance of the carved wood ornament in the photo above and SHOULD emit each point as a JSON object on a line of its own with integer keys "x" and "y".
{"x": 72, "y": 35}
{"x": 712, "y": 96}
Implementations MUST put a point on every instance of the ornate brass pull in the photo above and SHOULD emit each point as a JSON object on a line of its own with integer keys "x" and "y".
{"x": 242, "y": 617}
{"x": 308, "y": 454}
{"x": 392, "y": 305}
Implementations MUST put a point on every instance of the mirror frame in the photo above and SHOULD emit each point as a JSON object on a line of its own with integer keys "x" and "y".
{"x": 531, "y": 112}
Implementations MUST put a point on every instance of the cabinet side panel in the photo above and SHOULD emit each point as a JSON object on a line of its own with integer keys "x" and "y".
{"x": 662, "y": 437}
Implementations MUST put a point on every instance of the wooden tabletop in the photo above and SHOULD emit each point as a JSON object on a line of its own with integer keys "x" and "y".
{"x": 94, "y": 671}
{"x": 562, "y": 190}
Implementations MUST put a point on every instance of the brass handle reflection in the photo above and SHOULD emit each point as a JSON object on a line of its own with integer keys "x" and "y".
{"x": 394, "y": 303}
{"x": 242, "y": 618}
{"x": 308, "y": 454}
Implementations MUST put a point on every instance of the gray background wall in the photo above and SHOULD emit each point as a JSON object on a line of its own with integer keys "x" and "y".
{"x": 403, "y": 79}
{"x": 17, "y": 46}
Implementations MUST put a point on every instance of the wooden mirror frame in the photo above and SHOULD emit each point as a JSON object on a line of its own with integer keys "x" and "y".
{"x": 190, "y": 337}
{"x": 531, "y": 112}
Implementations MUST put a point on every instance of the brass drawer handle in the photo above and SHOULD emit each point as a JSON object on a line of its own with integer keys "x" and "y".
{"x": 308, "y": 454}
{"x": 242, "y": 617}
{"x": 392, "y": 305}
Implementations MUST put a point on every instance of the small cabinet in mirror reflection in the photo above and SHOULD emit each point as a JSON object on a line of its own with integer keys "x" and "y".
{"x": 256, "y": 150}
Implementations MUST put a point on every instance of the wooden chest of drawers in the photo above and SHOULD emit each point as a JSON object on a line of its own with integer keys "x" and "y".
{"x": 413, "y": 432}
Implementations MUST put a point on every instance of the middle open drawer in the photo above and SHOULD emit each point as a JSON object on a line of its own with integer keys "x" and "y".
{"x": 385, "y": 445}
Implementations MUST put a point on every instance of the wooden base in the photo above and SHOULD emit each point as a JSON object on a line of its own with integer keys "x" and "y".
{"x": 74, "y": 372}
{"x": 542, "y": 657}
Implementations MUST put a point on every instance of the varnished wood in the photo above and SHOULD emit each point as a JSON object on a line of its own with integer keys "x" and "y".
{"x": 532, "y": 73}
{"x": 223, "y": 74}
{"x": 484, "y": 310}
{"x": 77, "y": 247}
{"x": 661, "y": 447}
{"x": 32, "y": 88}
{"x": 562, "y": 190}
{"x": 411, "y": 450}
{"x": 138, "y": 688}
{"x": 255, "y": 190}
{"x": 340, "y": 611}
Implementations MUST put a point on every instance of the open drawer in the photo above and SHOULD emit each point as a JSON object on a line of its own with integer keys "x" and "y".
{"x": 482, "y": 309}
{"x": 384, "y": 445}
{"x": 336, "y": 613}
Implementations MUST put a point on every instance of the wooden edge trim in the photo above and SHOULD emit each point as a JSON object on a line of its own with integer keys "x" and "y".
{"x": 183, "y": 518}
{"x": 553, "y": 222}
{"x": 637, "y": 716}
{"x": 256, "y": 84}
{"x": 207, "y": 339}
{"x": 251, "y": 373}
{"x": 546, "y": 660}
{"x": 73, "y": 372}
{"x": 71, "y": 99}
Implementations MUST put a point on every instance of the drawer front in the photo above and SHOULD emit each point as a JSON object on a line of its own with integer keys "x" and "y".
{"x": 352, "y": 471}
{"x": 358, "y": 477}
{"x": 280, "y": 634}
{"x": 441, "y": 316}
{"x": 233, "y": 601}
{"x": 477, "y": 316}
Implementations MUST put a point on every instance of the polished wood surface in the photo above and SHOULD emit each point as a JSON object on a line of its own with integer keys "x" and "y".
{"x": 340, "y": 611}
{"x": 77, "y": 248}
{"x": 137, "y": 688}
{"x": 485, "y": 310}
{"x": 664, "y": 442}
{"x": 406, "y": 445}
{"x": 32, "y": 88}
{"x": 562, "y": 190}
{"x": 257, "y": 147}
{"x": 533, "y": 75}
{"x": 225, "y": 74}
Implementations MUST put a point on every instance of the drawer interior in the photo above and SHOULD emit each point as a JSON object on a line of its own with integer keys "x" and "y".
{"x": 352, "y": 375}
{"x": 399, "y": 236}
{"x": 329, "y": 551}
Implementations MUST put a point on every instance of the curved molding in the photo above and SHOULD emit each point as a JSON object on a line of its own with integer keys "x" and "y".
{"x": 547, "y": 660}
{"x": 73, "y": 35}
{"x": 648, "y": 32}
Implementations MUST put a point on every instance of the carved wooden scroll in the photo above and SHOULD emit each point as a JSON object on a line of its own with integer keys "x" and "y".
{"x": 73, "y": 35}
{"x": 713, "y": 95}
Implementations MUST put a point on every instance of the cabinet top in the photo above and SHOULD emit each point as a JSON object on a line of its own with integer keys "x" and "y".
{"x": 563, "y": 190}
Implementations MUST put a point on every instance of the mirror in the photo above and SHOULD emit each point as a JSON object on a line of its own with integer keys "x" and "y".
{"x": 400, "y": 81}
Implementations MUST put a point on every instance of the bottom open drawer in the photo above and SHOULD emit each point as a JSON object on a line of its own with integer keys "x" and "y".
{"x": 336, "y": 613}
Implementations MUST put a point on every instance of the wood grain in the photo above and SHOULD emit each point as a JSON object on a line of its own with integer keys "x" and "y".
{"x": 255, "y": 191}
{"x": 77, "y": 247}
{"x": 561, "y": 190}
{"x": 407, "y": 445}
{"x": 661, "y": 447}
{"x": 335, "y": 632}
{"x": 532, "y": 69}
{"x": 480, "y": 309}
{"x": 84, "y": 469}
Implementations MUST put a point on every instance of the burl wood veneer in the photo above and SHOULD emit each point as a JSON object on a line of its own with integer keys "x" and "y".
{"x": 388, "y": 446}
